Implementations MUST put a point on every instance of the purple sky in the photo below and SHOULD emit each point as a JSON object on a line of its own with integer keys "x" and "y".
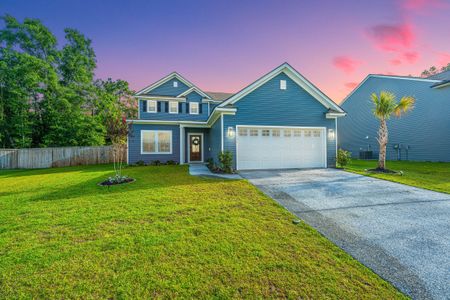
{"x": 225, "y": 45}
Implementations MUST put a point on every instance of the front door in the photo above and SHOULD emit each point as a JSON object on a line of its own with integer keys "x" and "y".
{"x": 195, "y": 147}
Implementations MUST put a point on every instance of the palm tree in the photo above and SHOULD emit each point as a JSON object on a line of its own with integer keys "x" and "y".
{"x": 385, "y": 107}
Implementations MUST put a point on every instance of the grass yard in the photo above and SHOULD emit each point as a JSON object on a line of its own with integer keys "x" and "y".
{"x": 166, "y": 235}
{"x": 428, "y": 175}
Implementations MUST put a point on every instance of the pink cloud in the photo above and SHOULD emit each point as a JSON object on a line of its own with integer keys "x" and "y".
{"x": 346, "y": 64}
{"x": 420, "y": 5}
{"x": 395, "y": 62}
{"x": 444, "y": 59}
{"x": 392, "y": 37}
{"x": 410, "y": 56}
{"x": 351, "y": 85}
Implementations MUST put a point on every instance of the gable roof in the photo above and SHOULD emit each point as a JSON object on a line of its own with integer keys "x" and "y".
{"x": 219, "y": 96}
{"x": 194, "y": 89}
{"x": 166, "y": 79}
{"x": 419, "y": 79}
{"x": 296, "y": 77}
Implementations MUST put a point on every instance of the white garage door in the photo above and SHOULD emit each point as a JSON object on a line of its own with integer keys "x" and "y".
{"x": 280, "y": 147}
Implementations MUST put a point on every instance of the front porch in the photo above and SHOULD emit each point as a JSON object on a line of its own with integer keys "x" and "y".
{"x": 194, "y": 145}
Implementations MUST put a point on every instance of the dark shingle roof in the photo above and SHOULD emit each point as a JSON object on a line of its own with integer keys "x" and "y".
{"x": 219, "y": 96}
{"x": 441, "y": 76}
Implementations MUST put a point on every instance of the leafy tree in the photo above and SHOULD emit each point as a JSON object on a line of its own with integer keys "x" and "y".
{"x": 385, "y": 106}
{"x": 433, "y": 70}
{"x": 48, "y": 96}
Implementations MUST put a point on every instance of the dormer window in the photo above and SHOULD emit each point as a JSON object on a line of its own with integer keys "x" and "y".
{"x": 282, "y": 84}
{"x": 175, "y": 83}
{"x": 193, "y": 108}
{"x": 173, "y": 107}
{"x": 151, "y": 106}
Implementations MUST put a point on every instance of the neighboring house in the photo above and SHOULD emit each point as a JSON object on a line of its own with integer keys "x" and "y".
{"x": 279, "y": 121}
{"x": 422, "y": 134}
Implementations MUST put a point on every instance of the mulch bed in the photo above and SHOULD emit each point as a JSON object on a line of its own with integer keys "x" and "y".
{"x": 108, "y": 183}
{"x": 384, "y": 171}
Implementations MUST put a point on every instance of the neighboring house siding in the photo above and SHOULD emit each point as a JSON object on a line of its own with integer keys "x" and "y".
{"x": 182, "y": 115}
{"x": 206, "y": 143}
{"x": 426, "y": 129}
{"x": 167, "y": 89}
{"x": 268, "y": 105}
{"x": 134, "y": 144}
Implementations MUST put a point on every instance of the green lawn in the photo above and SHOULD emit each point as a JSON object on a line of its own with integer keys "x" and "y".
{"x": 428, "y": 175}
{"x": 166, "y": 235}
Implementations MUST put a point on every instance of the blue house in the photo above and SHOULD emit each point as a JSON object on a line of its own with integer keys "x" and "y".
{"x": 422, "y": 134}
{"x": 279, "y": 121}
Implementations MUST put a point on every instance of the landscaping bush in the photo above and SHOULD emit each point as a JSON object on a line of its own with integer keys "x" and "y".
{"x": 171, "y": 163}
{"x": 140, "y": 163}
{"x": 226, "y": 161}
{"x": 156, "y": 162}
{"x": 210, "y": 163}
{"x": 343, "y": 158}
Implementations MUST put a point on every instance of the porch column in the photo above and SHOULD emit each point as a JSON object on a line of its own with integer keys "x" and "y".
{"x": 182, "y": 144}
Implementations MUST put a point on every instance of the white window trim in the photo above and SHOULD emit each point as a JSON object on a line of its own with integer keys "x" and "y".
{"x": 156, "y": 141}
{"x": 175, "y": 83}
{"x": 173, "y": 112}
{"x": 190, "y": 108}
{"x": 148, "y": 106}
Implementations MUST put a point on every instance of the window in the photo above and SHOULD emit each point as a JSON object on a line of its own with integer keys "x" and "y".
{"x": 173, "y": 107}
{"x": 152, "y": 106}
{"x": 275, "y": 132}
{"x": 297, "y": 132}
{"x": 282, "y": 84}
{"x": 287, "y": 132}
{"x": 316, "y": 133}
{"x": 307, "y": 133}
{"x": 156, "y": 142}
{"x": 242, "y": 131}
{"x": 193, "y": 108}
{"x": 265, "y": 132}
{"x": 175, "y": 84}
{"x": 253, "y": 132}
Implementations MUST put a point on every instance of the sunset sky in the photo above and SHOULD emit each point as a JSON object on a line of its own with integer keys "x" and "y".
{"x": 225, "y": 45}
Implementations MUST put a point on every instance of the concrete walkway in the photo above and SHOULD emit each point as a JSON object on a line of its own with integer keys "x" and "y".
{"x": 400, "y": 232}
{"x": 202, "y": 170}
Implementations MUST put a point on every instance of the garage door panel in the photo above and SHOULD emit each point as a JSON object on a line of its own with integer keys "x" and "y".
{"x": 277, "y": 148}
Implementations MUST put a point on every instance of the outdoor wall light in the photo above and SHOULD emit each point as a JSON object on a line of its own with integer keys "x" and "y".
{"x": 331, "y": 134}
{"x": 230, "y": 132}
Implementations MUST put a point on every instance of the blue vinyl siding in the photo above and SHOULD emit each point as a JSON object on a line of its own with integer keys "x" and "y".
{"x": 206, "y": 137}
{"x": 167, "y": 89}
{"x": 270, "y": 106}
{"x": 134, "y": 144}
{"x": 181, "y": 116}
{"x": 426, "y": 129}
{"x": 215, "y": 140}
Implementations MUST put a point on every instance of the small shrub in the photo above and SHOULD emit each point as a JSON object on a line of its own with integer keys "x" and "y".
{"x": 171, "y": 163}
{"x": 226, "y": 161}
{"x": 210, "y": 163}
{"x": 156, "y": 162}
{"x": 140, "y": 163}
{"x": 343, "y": 158}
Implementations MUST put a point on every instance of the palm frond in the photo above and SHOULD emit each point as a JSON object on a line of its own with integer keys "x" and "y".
{"x": 404, "y": 105}
{"x": 384, "y": 104}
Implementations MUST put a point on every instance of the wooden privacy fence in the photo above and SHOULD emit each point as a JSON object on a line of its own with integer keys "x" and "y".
{"x": 33, "y": 158}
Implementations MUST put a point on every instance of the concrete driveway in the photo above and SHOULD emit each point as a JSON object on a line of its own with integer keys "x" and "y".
{"x": 400, "y": 232}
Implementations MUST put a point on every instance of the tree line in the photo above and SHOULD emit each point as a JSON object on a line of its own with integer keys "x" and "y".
{"x": 48, "y": 94}
{"x": 434, "y": 70}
